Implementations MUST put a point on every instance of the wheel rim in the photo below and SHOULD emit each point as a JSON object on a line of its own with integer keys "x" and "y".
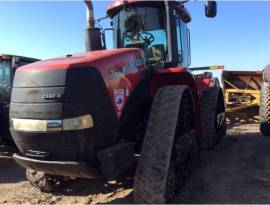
{"x": 220, "y": 119}
{"x": 219, "y": 126}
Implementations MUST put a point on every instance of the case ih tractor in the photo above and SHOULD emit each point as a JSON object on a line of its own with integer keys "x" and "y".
{"x": 99, "y": 113}
{"x": 8, "y": 65}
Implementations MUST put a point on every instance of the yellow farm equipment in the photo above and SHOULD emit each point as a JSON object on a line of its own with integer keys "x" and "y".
{"x": 241, "y": 89}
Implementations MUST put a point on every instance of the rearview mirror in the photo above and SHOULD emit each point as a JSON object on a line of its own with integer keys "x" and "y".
{"x": 210, "y": 8}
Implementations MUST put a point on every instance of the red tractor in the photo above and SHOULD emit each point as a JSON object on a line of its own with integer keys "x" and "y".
{"x": 99, "y": 113}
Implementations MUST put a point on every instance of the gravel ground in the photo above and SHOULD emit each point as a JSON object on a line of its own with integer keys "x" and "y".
{"x": 236, "y": 171}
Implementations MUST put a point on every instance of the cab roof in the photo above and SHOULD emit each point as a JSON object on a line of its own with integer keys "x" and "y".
{"x": 117, "y": 5}
{"x": 9, "y": 56}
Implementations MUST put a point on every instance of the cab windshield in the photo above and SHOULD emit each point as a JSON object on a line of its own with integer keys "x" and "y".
{"x": 5, "y": 80}
{"x": 142, "y": 27}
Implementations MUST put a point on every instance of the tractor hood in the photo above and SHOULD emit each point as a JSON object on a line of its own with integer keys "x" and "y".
{"x": 51, "y": 89}
{"x": 61, "y": 92}
{"x": 79, "y": 60}
{"x": 52, "y": 72}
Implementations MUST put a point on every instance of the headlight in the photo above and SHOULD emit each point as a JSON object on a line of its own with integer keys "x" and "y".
{"x": 29, "y": 125}
{"x": 76, "y": 123}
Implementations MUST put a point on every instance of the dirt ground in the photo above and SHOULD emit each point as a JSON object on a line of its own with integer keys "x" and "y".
{"x": 236, "y": 171}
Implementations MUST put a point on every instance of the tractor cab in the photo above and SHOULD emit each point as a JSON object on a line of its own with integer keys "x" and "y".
{"x": 8, "y": 66}
{"x": 142, "y": 27}
{"x": 159, "y": 28}
{"x": 5, "y": 78}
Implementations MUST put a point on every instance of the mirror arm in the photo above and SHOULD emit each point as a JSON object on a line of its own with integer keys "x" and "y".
{"x": 183, "y": 13}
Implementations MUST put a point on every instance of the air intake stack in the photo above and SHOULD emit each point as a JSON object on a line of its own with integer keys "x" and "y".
{"x": 92, "y": 34}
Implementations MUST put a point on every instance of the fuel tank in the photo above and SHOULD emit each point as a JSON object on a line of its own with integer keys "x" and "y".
{"x": 64, "y": 109}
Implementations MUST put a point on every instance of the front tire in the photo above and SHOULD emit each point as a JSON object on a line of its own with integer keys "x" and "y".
{"x": 265, "y": 110}
{"x": 169, "y": 145}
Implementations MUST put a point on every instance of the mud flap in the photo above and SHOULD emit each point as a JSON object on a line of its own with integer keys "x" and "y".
{"x": 116, "y": 160}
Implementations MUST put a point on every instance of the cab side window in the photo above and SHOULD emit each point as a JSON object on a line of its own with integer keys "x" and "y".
{"x": 179, "y": 42}
{"x": 183, "y": 43}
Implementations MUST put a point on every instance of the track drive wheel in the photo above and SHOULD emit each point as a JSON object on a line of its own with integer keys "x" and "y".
{"x": 265, "y": 110}
{"x": 170, "y": 148}
{"x": 45, "y": 182}
{"x": 213, "y": 118}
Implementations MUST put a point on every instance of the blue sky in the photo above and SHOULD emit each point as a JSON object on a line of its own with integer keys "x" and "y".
{"x": 239, "y": 37}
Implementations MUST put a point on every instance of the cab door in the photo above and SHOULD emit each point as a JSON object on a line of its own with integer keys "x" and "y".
{"x": 183, "y": 43}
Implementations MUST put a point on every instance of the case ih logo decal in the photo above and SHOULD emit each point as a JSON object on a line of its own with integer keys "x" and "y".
{"x": 115, "y": 74}
{"x": 119, "y": 98}
{"x": 52, "y": 96}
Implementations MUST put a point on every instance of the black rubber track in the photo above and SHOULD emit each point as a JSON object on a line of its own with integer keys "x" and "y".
{"x": 212, "y": 104}
{"x": 152, "y": 174}
{"x": 265, "y": 110}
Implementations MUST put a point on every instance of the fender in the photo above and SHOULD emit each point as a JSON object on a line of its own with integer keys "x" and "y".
{"x": 177, "y": 76}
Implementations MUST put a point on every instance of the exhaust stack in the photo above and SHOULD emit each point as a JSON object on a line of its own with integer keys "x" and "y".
{"x": 92, "y": 35}
{"x": 89, "y": 13}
